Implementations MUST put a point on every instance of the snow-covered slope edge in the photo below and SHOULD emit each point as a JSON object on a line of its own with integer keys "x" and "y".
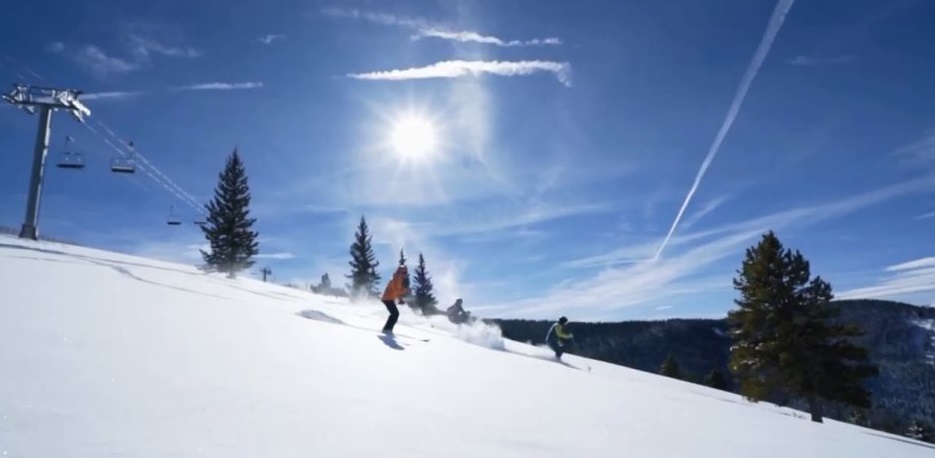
{"x": 105, "y": 354}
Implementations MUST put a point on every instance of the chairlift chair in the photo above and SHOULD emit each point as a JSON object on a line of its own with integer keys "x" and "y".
{"x": 70, "y": 159}
{"x": 123, "y": 164}
{"x": 173, "y": 219}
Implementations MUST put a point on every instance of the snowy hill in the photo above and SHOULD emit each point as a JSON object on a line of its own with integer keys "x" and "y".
{"x": 105, "y": 354}
{"x": 900, "y": 338}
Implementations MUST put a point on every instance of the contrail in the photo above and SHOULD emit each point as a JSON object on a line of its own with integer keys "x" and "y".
{"x": 772, "y": 29}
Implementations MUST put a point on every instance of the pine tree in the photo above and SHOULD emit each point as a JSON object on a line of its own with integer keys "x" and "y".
{"x": 228, "y": 224}
{"x": 785, "y": 340}
{"x": 919, "y": 431}
{"x": 402, "y": 262}
{"x": 670, "y": 368}
{"x": 364, "y": 277}
{"x": 858, "y": 417}
{"x": 424, "y": 297}
{"x": 715, "y": 379}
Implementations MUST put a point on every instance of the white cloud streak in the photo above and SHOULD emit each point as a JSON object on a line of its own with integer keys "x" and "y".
{"x": 217, "y": 86}
{"x": 281, "y": 255}
{"x": 534, "y": 215}
{"x": 709, "y": 207}
{"x": 426, "y": 29}
{"x": 812, "y": 61}
{"x": 920, "y": 153}
{"x": 468, "y": 37}
{"x": 270, "y": 38}
{"x": 460, "y": 68}
{"x": 101, "y": 64}
{"x": 110, "y": 95}
{"x": 144, "y": 47}
{"x": 772, "y": 29}
{"x": 915, "y": 277}
{"x": 141, "y": 41}
{"x": 690, "y": 271}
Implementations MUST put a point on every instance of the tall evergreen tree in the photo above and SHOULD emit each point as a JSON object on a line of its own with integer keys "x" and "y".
{"x": 227, "y": 228}
{"x": 670, "y": 367}
{"x": 402, "y": 262}
{"x": 364, "y": 277}
{"x": 785, "y": 340}
{"x": 424, "y": 297}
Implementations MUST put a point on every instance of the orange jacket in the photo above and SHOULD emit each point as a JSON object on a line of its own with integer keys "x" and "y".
{"x": 395, "y": 289}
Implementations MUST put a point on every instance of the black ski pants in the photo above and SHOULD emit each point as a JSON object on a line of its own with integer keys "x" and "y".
{"x": 394, "y": 315}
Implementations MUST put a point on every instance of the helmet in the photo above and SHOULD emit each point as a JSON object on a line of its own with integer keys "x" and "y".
{"x": 563, "y": 320}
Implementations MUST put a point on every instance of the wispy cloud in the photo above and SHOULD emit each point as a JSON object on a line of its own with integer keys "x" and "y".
{"x": 468, "y": 36}
{"x": 427, "y": 29}
{"x": 280, "y": 255}
{"x": 269, "y": 38}
{"x": 689, "y": 271}
{"x": 55, "y": 47}
{"x": 918, "y": 153}
{"x": 460, "y": 68}
{"x": 810, "y": 61}
{"x": 111, "y": 95}
{"x": 915, "y": 277}
{"x": 101, "y": 64}
{"x": 141, "y": 42}
{"x": 377, "y": 18}
{"x": 145, "y": 39}
{"x": 523, "y": 218}
{"x": 217, "y": 86}
{"x": 707, "y": 208}
{"x": 144, "y": 48}
{"x": 772, "y": 29}
{"x": 926, "y": 215}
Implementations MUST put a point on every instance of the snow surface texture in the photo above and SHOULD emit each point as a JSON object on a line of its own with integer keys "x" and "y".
{"x": 111, "y": 355}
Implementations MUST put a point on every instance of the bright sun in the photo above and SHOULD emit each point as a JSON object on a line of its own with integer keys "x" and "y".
{"x": 414, "y": 137}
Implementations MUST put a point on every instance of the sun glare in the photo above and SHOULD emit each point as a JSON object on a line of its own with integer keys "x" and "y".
{"x": 413, "y": 137}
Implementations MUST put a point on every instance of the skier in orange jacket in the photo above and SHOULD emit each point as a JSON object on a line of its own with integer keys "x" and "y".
{"x": 396, "y": 289}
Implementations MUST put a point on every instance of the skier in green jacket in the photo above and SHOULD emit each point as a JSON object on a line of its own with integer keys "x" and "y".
{"x": 557, "y": 335}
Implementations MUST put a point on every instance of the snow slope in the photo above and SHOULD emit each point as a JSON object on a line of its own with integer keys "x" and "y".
{"x": 104, "y": 354}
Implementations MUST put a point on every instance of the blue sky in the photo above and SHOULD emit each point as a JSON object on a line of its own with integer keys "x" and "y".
{"x": 568, "y": 138}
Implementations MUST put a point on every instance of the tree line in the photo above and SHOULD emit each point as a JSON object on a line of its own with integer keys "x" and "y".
{"x": 233, "y": 243}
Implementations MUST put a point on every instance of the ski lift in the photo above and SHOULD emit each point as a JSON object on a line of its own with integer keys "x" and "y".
{"x": 123, "y": 164}
{"x": 70, "y": 159}
{"x": 173, "y": 219}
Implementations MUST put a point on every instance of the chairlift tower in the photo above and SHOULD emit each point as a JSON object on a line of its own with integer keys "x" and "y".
{"x": 45, "y": 100}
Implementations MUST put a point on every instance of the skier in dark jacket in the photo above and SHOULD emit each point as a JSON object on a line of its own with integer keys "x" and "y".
{"x": 457, "y": 314}
{"x": 556, "y": 336}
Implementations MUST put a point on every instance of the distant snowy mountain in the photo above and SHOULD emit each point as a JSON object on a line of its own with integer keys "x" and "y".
{"x": 900, "y": 338}
{"x": 111, "y": 355}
